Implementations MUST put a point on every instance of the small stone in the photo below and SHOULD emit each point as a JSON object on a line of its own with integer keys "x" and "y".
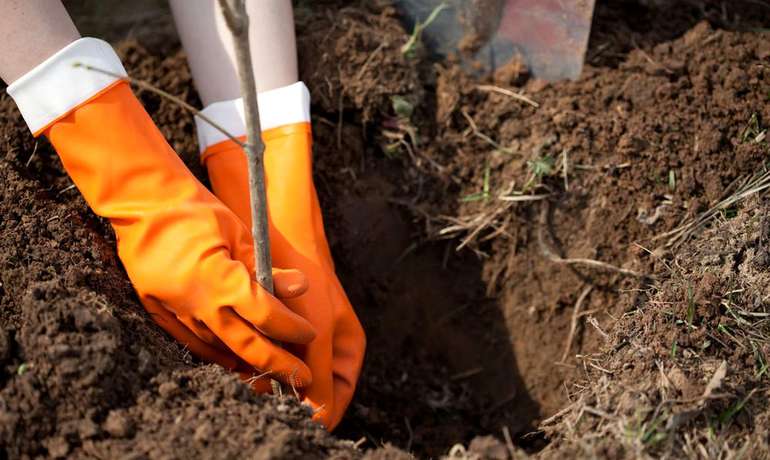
{"x": 88, "y": 429}
{"x": 488, "y": 447}
{"x": 763, "y": 51}
{"x": 58, "y": 447}
{"x": 761, "y": 259}
{"x": 203, "y": 433}
{"x": 119, "y": 424}
{"x": 168, "y": 389}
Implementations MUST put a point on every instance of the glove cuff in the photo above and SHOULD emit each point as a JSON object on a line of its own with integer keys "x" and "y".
{"x": 66, "y": 81}
{"x": 278, "y": 107}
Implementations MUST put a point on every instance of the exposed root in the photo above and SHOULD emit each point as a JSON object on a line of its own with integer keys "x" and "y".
{"x": 573, "y": 324}
{"x": 553, "y": 257}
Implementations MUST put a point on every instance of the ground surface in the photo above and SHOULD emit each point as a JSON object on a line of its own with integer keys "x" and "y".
{"x": 411, "y": 159}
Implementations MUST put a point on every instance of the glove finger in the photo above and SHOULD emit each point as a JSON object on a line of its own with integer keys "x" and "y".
{"x": 289, "y": 284}
{"x": 225, "y": 282}
{"x": 345, "y": 371}
{"x": 322, "y": 410}
{"x": 196, "y": 327}
{"x": 320, "y": 395}
{"x": 318, "y": 355}
{"x": 205, "y": 351}
{"x": 274, "y": 319}
{"x": 257, "y": 350}
{"x": 207, "y": 336}
{"x": 348, "y": 348}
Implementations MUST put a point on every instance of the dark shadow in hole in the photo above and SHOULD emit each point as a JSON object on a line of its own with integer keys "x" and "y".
{"x": 440, "y": 367}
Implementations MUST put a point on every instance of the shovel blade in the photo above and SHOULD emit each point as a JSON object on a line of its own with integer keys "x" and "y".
{"x": 551, "y": 36}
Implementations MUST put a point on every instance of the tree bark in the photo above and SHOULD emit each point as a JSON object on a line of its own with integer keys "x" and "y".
{"x": 234, "y": 12}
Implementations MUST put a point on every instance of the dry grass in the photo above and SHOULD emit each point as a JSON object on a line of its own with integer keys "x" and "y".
{"x": 507, "y": 92}
{"x": 746, "y": 187}
{"x": 703, "y": 395}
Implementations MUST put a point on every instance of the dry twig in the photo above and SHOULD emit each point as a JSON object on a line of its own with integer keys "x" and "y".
{"x": 573, "y": 324}
{"x": 509, "y": 442}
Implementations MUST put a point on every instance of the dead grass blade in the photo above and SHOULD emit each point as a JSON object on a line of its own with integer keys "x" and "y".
{"x": 537, "y": 197}
{"x": 573, "y": 323}
{"x": 477, "y": 132}
{"x": 509, "y": 93}
{"x": 716, "y": 380}
{"x": 750, "y": 186}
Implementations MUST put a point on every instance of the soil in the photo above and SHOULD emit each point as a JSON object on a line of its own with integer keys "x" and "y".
{"x": 647, "y": 143}
{"x": 466, "y": 346}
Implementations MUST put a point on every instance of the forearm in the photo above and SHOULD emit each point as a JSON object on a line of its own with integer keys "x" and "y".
{"x": 210, "y": 52}
{"x": 31, "y": 31}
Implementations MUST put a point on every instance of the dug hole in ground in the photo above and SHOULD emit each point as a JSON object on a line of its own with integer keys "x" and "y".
{"x": 518, "y": 344}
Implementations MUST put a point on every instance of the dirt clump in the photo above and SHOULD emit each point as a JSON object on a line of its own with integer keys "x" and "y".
{"x": 373, "y": 69}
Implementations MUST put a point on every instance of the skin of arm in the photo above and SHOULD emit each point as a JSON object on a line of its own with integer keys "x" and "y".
{"x": 31, "y": 31}
{"x": 210, "y": 53}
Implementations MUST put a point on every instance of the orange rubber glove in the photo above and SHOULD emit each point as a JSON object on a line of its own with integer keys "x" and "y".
{"x": 188, "y": 256}
{"x": 297, "y": 239}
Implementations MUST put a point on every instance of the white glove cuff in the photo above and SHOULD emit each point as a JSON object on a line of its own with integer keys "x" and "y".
{"x": 278, "y": 107}
{"x": 58, "y": 85}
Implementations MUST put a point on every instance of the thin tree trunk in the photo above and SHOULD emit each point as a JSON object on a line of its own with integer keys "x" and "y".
{"x": 237, "y": 21}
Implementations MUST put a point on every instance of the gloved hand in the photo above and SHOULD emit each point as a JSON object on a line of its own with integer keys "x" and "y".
{"x": 297, "y": 239}
{"x": 188, "y": 256}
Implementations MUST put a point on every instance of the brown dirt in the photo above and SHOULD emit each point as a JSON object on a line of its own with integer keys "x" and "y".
{"x": 461, "y": 343}
{"x": 655, "y": 133}
{"x": 650, "y": 143}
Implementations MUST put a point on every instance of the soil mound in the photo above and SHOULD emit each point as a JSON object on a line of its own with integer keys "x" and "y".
{"x": 600, "y": 170}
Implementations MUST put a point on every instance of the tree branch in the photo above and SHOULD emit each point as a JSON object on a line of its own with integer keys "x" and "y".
{"x": 176, "y": 100}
